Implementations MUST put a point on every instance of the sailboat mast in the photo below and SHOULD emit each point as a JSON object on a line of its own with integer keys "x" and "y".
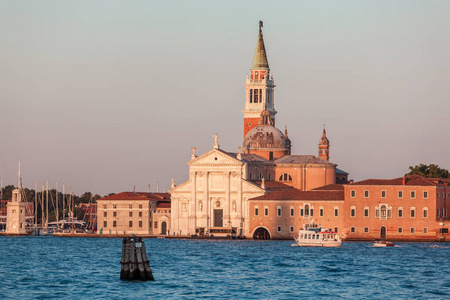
{"x": 63, "y": 203}
{"x": 71, "y": 202}
{"x": 46, "y": 207}
{"x": 35, "y": 208}
{"x": 57, "y": 207}
{"x": 42, "y": 207}
{"x": 18, "y": 179}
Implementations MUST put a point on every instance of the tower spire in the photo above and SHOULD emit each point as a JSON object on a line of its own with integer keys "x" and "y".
{"x": 324, "y": 146}
{"x": 260, "y": 59}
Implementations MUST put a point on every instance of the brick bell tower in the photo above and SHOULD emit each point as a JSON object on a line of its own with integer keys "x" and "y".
{"x": 324, "y": 147}
{"x": 259, "y": 88}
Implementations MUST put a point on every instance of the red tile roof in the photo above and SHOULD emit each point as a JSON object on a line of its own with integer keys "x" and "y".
{"x": 132, "y": 196}
{"x": 330, "y": 187}
{"x": 414, "y": 180}
{"x": 274, "y": 185}
{"x": 295, "y": 194}
{"x": 163, "y": 205}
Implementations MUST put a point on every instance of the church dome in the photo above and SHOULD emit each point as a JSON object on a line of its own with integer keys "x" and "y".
{"x": 265, "y": 136}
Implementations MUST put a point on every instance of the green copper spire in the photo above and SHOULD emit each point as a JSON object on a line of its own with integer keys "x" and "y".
{"x": 260, "y": 58}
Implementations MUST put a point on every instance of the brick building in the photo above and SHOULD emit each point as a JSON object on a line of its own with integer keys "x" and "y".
{"x": 130, "y": 212}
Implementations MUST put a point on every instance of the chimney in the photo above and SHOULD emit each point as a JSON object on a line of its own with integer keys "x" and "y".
{"x": 403, "y": 180}
{"x": 351, "y": 181}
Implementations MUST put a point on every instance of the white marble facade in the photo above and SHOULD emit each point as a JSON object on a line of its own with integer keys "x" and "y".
{"x": 215, "y": 195}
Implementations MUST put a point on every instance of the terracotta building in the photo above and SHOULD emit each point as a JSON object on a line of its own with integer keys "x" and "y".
{"x": 131, "y": 212}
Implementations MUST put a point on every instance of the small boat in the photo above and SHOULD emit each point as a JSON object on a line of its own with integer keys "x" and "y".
{"x": 383, "y": 244}
{"x": 313, "y": 235}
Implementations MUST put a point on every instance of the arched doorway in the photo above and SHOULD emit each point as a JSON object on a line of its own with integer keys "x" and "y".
{"x": 163, "y": 227}
{"x": 261, "y": 234}
{"x": 383, "y": 233}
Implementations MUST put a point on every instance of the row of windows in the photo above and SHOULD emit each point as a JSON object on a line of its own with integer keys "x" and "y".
{"x": 304, "y": 212}
{"x": 384, "y": 212}
{"x": 105, "y": 214}
{"x": 399, "y": 230}
{"x": 130, "y": 224}
{"x": 441, "y": 212}
{"x": 115, "y": 206}
{"x": 291, "y": 229}
{"x": 255, "y": 95}
{"x": 399, "y": 194}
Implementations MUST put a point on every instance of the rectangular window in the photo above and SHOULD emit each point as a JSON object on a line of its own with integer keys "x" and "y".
{"x": 437, "y": 212}
{"x": 366, "y": 229}
{"x": 425, "y": 213}
{"x": 140, "y": 206}
{"x": 425, "y": 195}
{"x": 140, "y": 223}
{"x": 114, "y": 214}
{"x": 377, "y": 213}
{"x": 105, "y": 214}
{"x": 413, "y": 194}
{"x": 443, "y": 230}
{"x": 130, "y": 206}
{"x": 292, "y": 212}
{"x": 130, "y": 224}
{"x": 389, "y": 213}
{"x": 400, "y": 194}
{"x": 279, "y": 228}
{"x": 425, "y": 230}
{"x": 311, "y": 212}
{"x": 445, "y": 212}
{"x": 140, "y": 214}
{"x": 335, "y": 229}
{"x": 366, "y": 194}
{"x": 156, "y": 224}
{"x": 266, "y": 211}
{"x": 366, "y": 212}
{"x": 131, "y": 213}
{"x": 336, "y": 212}
{"x": 400, "y": 230}
{"x": 279, "y": 211}
{"x": 256, "y": 211}
{"x": 291, "y": 228}
{"x": 400, "y": 213}
{"x": 251, "y": 95}
{"x": 260, "y": 95}
{"x": 301, "y": 212}
{"x": 256, "y": 96}
{"x": 105, "y": 224}
{"x": 104, "y": 206}
{"x": 114, "y": 223}
{"x": 352, "y": 212}
{"x": 321, "y": 212}
{"x": 353, "y": 193}
{"x": 383, "y": 194}
{"x": 413, "y": 230}
{"x": 352, "y": 229}
{"x": 413, "y": 213}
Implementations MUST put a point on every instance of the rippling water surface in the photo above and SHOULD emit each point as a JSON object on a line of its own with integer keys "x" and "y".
{"x": 87, "y": 268}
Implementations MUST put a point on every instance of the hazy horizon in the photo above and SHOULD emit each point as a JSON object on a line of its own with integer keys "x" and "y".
{"x": 108, "y": 95}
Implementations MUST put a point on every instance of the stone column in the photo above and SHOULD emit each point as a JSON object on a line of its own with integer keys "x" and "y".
{"x": 206, "y": 204}
{"x": 227, "y": 204}
{"x": 193, "y": 207}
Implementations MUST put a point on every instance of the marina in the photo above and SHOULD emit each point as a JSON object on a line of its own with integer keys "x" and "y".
{"x": 46, "y": 266}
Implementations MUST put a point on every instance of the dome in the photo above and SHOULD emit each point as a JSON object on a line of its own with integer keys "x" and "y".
{"x": 265, "y": 136}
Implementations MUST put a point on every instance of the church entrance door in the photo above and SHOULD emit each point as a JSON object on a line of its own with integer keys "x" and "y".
{"x": 218, "y": 218}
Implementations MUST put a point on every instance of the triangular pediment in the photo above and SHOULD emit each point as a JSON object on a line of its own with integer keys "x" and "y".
{"x": 215, "y": 157}
{"x": 248, "y": 186}
{"x": 183, "y": 187}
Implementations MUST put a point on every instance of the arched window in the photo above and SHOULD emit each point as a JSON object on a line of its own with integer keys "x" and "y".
{"x": 306, "y": 210}
{"x": 285, "y": 177}
{"x": 383, "y": 211}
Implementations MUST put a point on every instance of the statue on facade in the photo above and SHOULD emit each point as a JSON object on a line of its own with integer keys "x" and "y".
{"x": 216, "y": 141}
{"x": 173, "y": 183}
{"x": 193, "y": 153}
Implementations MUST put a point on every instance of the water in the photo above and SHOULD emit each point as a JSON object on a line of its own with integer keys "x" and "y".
{"x": 87, "y": 268}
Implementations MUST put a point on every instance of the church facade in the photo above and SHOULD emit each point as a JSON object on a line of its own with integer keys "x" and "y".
{"x": 220, "y": 185}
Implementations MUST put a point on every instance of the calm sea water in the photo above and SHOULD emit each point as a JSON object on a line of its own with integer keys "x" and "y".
{"x": 84, "y": 268}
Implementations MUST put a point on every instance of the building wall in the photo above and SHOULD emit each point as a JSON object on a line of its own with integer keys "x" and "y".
{"x": 307, "y": 177}
{"x": 287, "y": 225}
{"x": 420, "y": 226}
{"x": 118, "y": 212}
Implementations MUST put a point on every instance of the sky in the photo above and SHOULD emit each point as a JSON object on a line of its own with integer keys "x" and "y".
{"x": 110, "y": 95}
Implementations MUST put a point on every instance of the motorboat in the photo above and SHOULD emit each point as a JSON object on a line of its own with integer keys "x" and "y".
{"x": 314, "y": 235}
{"x": 382, "y": 243}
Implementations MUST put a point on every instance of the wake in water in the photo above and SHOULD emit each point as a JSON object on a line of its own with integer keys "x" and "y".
{"x": 437, "y": 246}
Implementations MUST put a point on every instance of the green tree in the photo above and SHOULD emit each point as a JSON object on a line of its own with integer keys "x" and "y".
{"x": 429, "y": 171}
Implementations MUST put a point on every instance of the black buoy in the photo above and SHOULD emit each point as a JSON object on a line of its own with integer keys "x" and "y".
{"x": 135, "y": 264}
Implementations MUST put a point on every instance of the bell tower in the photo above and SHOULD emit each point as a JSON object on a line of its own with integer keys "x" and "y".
{"x": 259, "y": 88}
{"x": 324, "y": 146}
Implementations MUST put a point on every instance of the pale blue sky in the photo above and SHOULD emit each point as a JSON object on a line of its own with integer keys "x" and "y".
{"x": 107, "y": 95}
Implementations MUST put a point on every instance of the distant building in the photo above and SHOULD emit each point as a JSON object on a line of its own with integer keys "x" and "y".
{"x": 221, "y": 183}
{"x": 130, "y": 212}
{"x": 17, "y": 213}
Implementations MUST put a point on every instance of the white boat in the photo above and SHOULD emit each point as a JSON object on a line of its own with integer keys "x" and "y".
{"x": 313, "y": 235}
{"x": 383, "y": 244}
